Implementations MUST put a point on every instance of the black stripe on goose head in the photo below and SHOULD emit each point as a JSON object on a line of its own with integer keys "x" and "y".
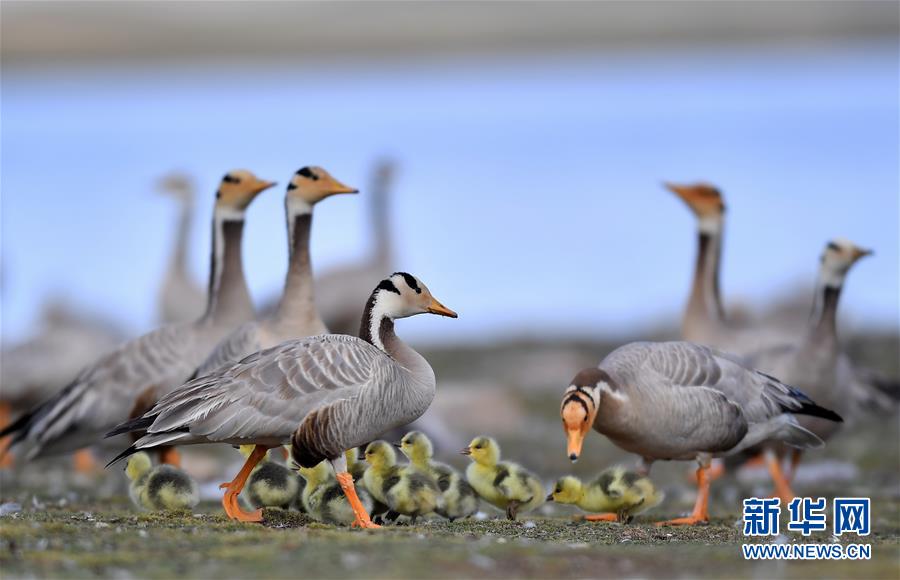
{"x": 410, "y": 281}
{"x": 387, "y": 285}
{"x": 592, "y": 377}
{"x": 229, "y": 178}
{"x": 307, "y": 172}
{"x": 291, "y": 186}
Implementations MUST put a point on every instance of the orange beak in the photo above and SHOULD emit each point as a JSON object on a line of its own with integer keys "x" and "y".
{"x": 263, "y": 185}
{"x": 437, "y": 308}
{"x": 575, "y": 441}
{"x": 861, "y": 253}
{"x": 338, "y": 187}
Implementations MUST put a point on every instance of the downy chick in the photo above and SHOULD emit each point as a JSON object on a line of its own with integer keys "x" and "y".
{"x": 618, "y": 493}
{"x": 403, "y": 488}
{"x": 270, "y": 485}
{"x": 159, "y": 488}
{"x": 459, "y": 499}
{"x": 504, "y": 484}
{"x": 323, "y": 498}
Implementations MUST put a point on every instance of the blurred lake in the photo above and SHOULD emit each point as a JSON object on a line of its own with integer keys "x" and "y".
{"x": 528, "y": 195}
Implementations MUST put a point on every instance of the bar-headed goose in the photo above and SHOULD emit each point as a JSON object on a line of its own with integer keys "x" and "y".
{"x": 681, "y": 401}
{"x": 296, "y": 315}
{"x": 816, "y": 362}
{"x": 127, "y": 381}
{"x": 705, "y": 321}
{"x": 342, "y": 391}
{"x": 181, "y": 299}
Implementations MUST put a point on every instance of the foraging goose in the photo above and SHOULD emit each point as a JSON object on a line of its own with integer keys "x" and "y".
{"x": 506, "y": 485}
{"x": 341, "y": 291}
{"x": 181, "y": 299}
{"x": 159, "y": 488}
{"x": 618, "y": 493}
{"x": 128, "y": 380}
{"x": 459, "y": 500}
{"x": 343, "y": 391}
{"x": 296, "y": 315}
{"x": 816, "y": 363}
{"x": 681, "y": 401}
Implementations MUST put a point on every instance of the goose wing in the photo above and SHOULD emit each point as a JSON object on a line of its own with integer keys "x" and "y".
{"x": 237, "y": 345}
{"x": 265, "y": 396}
{"x": 109, "y": 390}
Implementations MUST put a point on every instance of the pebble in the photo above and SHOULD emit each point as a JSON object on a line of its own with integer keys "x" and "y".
{"x": 529, "y": 524}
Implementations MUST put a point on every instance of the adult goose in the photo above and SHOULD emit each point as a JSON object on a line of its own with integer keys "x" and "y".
{"x": 705, "y": 321}
{"x": 342, "y": 391}
{"x": 296, "y": 315}
{"x": 681, "y": 401}
{"x": 127, "y": 381}
{"x": 816, "y": 362}
{"x": 180, "y": 299}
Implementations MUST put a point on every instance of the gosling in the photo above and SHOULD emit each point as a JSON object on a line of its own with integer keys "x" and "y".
{"x": 458, "y": 498}
{"x": 403, "y": 488}
{"x": 270, "y": 485}
{"x": 506, "y": 485}
{"x": 161, "y": 488}
{"x": 620, "y": 493}
{"x": 324, "y": 500}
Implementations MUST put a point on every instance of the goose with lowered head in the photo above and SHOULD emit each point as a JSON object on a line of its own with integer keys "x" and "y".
{"x": 342, "y": 391}
{"x": 682, "y": 401}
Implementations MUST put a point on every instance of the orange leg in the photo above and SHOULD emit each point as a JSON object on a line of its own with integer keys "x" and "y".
{"x": 233, "y": 489}
{"x": 782, "y": 487}
{"x": 601, "y": 518}
{"x": 85, "y": 462}
{"x": 700, "y": 515}
{"x": 170, "y": 456}
{"x": 716, "y": 470}
{"x": 285, "y": 453}
{"x": 6, "y": 460}
{"x": 796, "y": 456}
{"x": 362, "y": 516}
{"x": 757, "y": 460}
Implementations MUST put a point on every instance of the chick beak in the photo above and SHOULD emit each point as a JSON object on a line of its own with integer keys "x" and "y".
{"x": 549, "y": 497}
{"x": 398, "y": 445}
{"x": 437, "y": 308}
{"x": 466, "y": 451}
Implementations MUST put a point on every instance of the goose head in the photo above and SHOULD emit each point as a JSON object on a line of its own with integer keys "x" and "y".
{"x": 380, "y": 454}
{"x": 404, "y": 295}
{"x": 239, "y": 187}
{"x": 178, "y": 185}
{"x": 416, "y": 446}
{"x": 138, "y": 464}
{"x": 705, "y": 200}
{"x": 839, "y": 256}
{"x": 580, "y": 405}
{"x": 483, "y": 450}
{"x": 310, "y": 185}
{"x": 568, "y": 489}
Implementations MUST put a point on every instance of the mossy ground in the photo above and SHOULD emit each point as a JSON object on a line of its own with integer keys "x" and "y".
{"x": 111, "y": 540}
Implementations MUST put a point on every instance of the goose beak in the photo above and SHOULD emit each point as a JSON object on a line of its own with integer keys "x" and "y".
{"x": 575, "y": 441}
{"x": 437, "y": 308}
{"x": 466, "y": 451}
{"x": 339, "y": 187}
{"x": 861, "y": 253}
{"x": 263, "y": 185}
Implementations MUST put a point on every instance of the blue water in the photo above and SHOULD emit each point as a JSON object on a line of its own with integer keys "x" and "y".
{"x": 529, "y": 193}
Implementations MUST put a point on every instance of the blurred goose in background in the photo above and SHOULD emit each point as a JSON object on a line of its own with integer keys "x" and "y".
{"x": 504, "y": 484}
{"x": 341, "y": 390}
{"x": 181, "y": 298}
{"x": 619, "y": 493}
{"x": 704, "y": 320}
{"x": 342, "y": 290}
{"x": 816, "y": 362}
{"x": 159, "y": 488}
{"x": 128, "y": 381}
{"x": 296, "y": 315}
{"x": 682, "y": 401}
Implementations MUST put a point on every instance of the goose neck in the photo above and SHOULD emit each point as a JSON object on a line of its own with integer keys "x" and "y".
{"x": 297, "y": 303}
{"x": 705, "y": 300}
{"x": 228, "y": 298}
